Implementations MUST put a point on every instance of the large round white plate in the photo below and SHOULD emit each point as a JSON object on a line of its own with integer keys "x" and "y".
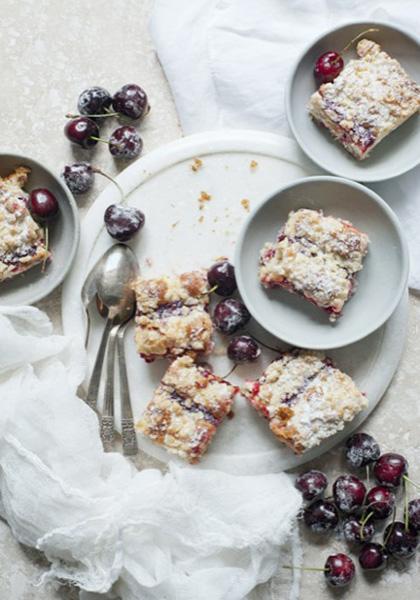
{"x": 182, "y": 233}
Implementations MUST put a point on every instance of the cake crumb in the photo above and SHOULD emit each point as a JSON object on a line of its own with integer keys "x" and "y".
{"x": 174, "y": 224}
{"x": 245, "y": 204}
{"x": 201, "y": 219}
{"x": 253, "y": 164}
{"x": 197, "y": 164}
{"x": 204, "y": 197}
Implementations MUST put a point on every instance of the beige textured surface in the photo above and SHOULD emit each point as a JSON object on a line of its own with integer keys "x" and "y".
{"x": 50, "y": 51}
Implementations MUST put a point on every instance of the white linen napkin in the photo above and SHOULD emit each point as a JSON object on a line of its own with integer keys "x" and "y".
{"x": 227, "y": 62}
{"x": 188, "y": 534}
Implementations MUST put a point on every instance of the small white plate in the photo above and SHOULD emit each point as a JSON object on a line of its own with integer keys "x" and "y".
{"x": 381, "y": 283}
{"x": 33, "y": 285}
{"x": 397, "y": 153}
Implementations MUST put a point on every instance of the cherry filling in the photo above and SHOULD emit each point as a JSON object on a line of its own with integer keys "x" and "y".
{"x": 12, "y": 258}
{"x": 190, "y": 406}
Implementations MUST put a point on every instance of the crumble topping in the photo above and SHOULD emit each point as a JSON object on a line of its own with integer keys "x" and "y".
{"x": 305, "y": 398}
{"x": 186, "y": 409}
{"x": 172, "y": 315}
{"x": 315, "y": 256}
{"x": 197, "y": 164}
{"x": 21, "y": 238}
{"x": 372, "y": 96}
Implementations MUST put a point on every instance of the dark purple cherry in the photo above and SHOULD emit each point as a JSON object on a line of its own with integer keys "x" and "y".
{"x": 81, "y": 130}
{"x": 361, "y": 450}
{"x": 328, "y": 66}
{"x": 311, "y": 484}
{"x": 373, "y": 557}
{"x": 242, "y": 349}
{"x": 230, "y": 315}
{"x": 222, "y": 276}
{"x": 123, "y": 222}
{"x": 321, "y": 516}
{"x": 390, "y": 469}
{"x": 357, "y": 532}
{"x": 339, "y": 570}
{"x": 125, "y": 142}
{"x": 400, "y": 541}
{"x": 79, "y": 177}
{"x": 380, "y": 501}
{"x": 43, "y": 205}
{"x": 131, "y": 101}
{"x": 414, "y": 515}
{"x": 349, "y": 493}
{"x": 94, "y": 101}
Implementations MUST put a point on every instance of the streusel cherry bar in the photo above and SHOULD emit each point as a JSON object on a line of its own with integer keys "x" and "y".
{"x": 22, "y": 242}
{"x": 372, "y": 96}
{"x": 317, "y": 257}
{"x": 305, "y": 399}
{"x": 187, "y": 408}
{"x": 172, "y": 316}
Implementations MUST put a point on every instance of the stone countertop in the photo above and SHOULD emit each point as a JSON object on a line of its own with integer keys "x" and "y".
{"x": 51, "y": 50}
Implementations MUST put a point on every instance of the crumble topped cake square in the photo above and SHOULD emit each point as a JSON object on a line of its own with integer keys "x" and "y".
{"x": 172, "y": 316}
{"x": 21, "y": 239}
{"x": 187, "y": 408}
{"x": 305, "y": 398}
{"x": 372, "y": 96}
{"x": 315, "y": 256}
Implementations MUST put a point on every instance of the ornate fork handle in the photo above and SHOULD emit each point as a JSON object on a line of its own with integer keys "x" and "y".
{"x": 128, "y": 434}
{"x": 107, "y": 419}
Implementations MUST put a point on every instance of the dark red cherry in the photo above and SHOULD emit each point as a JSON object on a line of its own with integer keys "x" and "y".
{"x": 361, "y": 450}
{"x": 79, "y": 177}
{"x": 311, "y": 484}
{"x": 349, "y": 493}
{"x": 328, "y": 66}
{"x": 339, "y": 570}
{"x": 400, "y": 541}
{"x": 125, "y": 142}
{"x": 43, "y": 205}
{"x": 355, "y": 532}
{"x": 380, "y": 501}
{"x": 414, "y": 515}
{"x": 94, "y": 101}
{"x": 242, "y": 349}
{"x": 373, "y": 557}
{"x": 80, "y": 131}
{"x": 222, "y": 276}
{"x": 131, "y": 101}
{"x": 321, "y": 516}
{"x": 230, "y": 315}
{"x": 123, "y": 222}
{"x": 390, "y": 468}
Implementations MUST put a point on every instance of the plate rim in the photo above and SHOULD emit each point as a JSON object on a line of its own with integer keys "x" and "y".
{"x": 364, "y": 177}
{"x": 375, "y": 198}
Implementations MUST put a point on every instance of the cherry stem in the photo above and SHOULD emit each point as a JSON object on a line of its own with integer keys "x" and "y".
{"x": 304, "y": 568}
{"x": 363, "y": 523}
{"x": 213, "y": 289}
{"x": 100, "y": 172}
{"x": 390, "y": 529}
{"x": 97, "y": 139}
{"x": 405, "y": 504}
{"x": 367, "y": 474}
{"x": 416, "y": 485}
{"x": 262, "y": 343}
{"x": 350, "y": 44}
{"x": 230, "y": 372}
{"x": 104, "y": 115}
{"x": 44, "y": 262}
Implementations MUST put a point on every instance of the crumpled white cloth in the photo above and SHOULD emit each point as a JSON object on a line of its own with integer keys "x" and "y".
{"x": 184, "y": 535}
{"x": 227, "y": 62}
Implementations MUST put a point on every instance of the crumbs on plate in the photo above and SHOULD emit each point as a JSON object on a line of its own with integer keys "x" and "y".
{"x": 245, "y": 203}
{"x": 197, "y": 164}
{"x": 204, "y": 197}
{"x": 201, "y": 219}
{"x": 253, "y": 164}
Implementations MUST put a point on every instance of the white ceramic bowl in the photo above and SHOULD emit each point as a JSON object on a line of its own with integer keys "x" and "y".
{"x": 397, "y": 153}
{"x": 381, "y": 283}
{"x": 33, "y": 285}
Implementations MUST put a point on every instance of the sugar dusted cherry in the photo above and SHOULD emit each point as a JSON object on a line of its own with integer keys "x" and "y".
{"x": 380, "y": 501}
{"x": 222, "y": 276}
{"x": 123, "y": 222}
{"x": 357, "y": 532}
{"x": 230, "y": 315}
{"x": 321, "y": 516}
{"x": 414, "y": 515}
{"x": 328, "y": 66}
{"x": 79, "y": 177}
{"x": 361, "y": 450}
{"x": 373, "y": 557}
{"x": 339, "y": 570}
{"x": 94, "y": 101}
{"x": 125, "y": 143}
{"x": 131, "y": 101}
{"x": 349, "y": 492}
{"x": 400, "y": 541}
{"x": 242, "y": 349}
{"x": 390, "y": 469}
{"x": 311, "y": 484}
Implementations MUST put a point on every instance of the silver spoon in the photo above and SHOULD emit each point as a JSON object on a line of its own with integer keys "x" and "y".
{"x": 128, "y": 433}
{"x": 118, "y": 270}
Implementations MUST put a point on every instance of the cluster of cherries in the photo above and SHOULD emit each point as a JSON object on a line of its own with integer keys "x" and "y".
{"x": 362, "y": 510}
{"x": 230, "y": 314}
